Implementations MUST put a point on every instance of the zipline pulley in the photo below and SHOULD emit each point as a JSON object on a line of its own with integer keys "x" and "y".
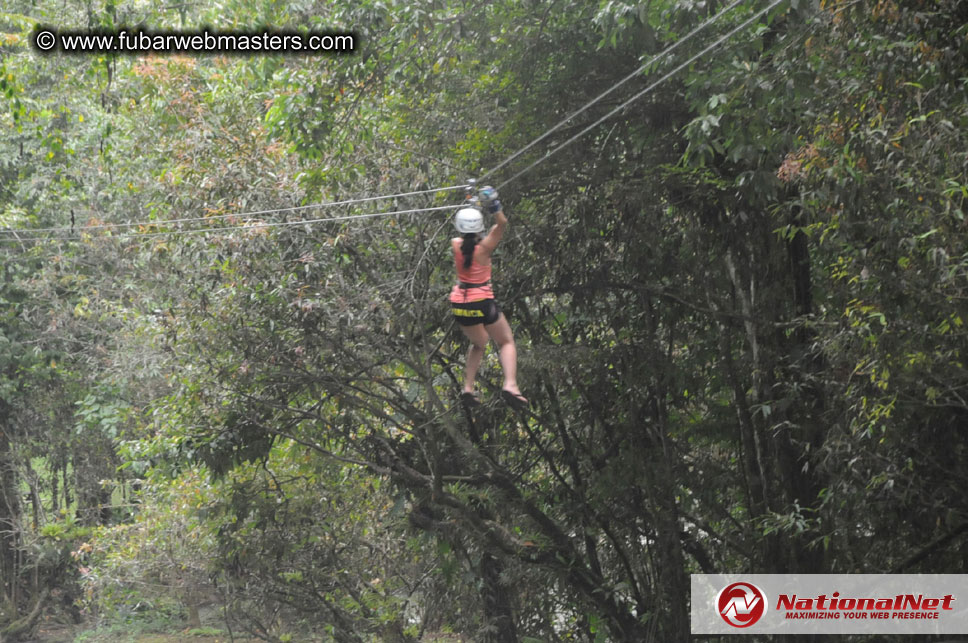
{"x": 471, "y": 199}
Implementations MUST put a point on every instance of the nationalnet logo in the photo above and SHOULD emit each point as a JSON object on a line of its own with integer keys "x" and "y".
{"x": 894, "y": 607}
{"x": 830, "y": 604}
{"x": 741, "y": 604}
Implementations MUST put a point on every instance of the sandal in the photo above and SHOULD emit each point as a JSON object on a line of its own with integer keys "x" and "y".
{"x": 515, "y": 400}
{"x": 470, "y": 400}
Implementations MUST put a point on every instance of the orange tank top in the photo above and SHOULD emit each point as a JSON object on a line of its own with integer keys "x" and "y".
{"x": 477, "y": 273}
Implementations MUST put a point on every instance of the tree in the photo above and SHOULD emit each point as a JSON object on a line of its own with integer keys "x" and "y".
{"x": 737, "y": 302}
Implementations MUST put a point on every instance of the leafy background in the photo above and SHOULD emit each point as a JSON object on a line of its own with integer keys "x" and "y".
{"x": 739, "y": 305}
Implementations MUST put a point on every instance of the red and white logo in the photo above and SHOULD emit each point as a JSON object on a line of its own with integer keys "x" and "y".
{"x": 741, "y": 604}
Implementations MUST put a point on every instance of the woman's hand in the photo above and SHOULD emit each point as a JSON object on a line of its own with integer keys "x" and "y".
{"x": 489, "y": 198}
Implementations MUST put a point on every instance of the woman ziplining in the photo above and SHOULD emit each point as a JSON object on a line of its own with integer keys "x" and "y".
{"x": 472, "y": 300}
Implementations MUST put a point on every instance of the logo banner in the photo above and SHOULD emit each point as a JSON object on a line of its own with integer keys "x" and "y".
{"x": 829, "y": 604}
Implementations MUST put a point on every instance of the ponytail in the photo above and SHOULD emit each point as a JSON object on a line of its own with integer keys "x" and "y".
{"x": 467, "y": 248}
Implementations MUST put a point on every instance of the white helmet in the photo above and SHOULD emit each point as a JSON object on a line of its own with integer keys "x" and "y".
{"x": 469, "y": 220}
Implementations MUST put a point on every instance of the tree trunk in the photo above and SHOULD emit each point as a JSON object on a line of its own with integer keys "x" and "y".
{"x": 16, "y": 629}
{"x": 498, "y": 615}
{"x": 10, "y": 513}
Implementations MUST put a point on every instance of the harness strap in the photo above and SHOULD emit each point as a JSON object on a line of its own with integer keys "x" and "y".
{"x": 465, "y": 285}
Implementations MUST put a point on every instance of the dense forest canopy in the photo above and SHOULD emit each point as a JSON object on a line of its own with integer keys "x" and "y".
{"x": 739, "y": 298}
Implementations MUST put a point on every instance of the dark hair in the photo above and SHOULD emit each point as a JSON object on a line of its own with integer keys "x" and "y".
{"x": 467, "y": 248}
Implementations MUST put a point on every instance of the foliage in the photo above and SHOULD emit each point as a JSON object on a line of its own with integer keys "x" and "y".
{"x": 738, "y": 305}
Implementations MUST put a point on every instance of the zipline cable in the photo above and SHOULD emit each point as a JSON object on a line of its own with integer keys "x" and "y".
{"x": 235, "y": 214}
{"x": 611, "y": 89}
{"x": 251, "y": 226}
{"x": 643, "y": 92}
{"x": 258, "y": 225}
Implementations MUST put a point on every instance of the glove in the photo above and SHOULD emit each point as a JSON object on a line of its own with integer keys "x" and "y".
{"x": 489, "y": 199}
{"x": 488, "y": 193}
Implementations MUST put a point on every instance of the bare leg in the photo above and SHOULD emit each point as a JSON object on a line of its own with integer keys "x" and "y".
{"x": 475, "y": 354}
{"x": 500, "y": 332}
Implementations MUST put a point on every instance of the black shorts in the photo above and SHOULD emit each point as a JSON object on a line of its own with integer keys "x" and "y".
{"x": 476, "y": 312}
